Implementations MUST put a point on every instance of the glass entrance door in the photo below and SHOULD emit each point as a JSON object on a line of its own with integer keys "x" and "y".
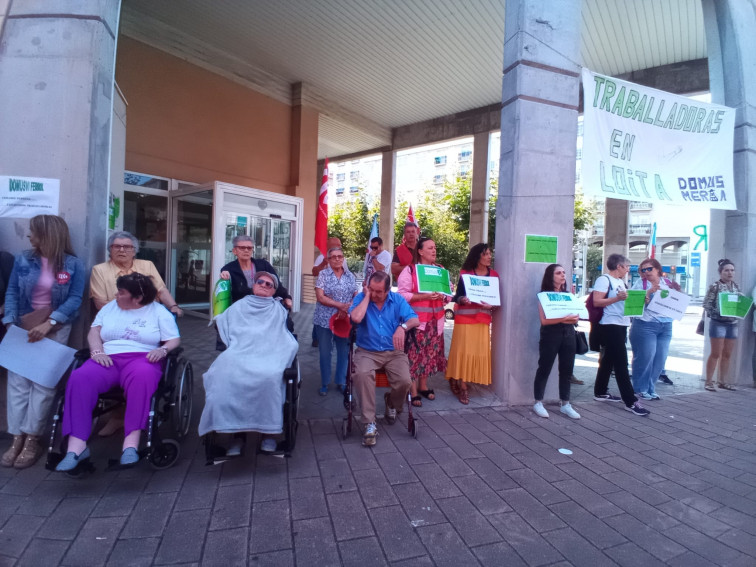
{"x": 191, "y": 250}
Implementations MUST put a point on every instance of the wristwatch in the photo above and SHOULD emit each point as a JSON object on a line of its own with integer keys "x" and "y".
{"x": 404, "y": 326}
{"x": 52, "y": 322}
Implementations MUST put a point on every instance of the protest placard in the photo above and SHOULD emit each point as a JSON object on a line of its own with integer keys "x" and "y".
{"x": 542, "y": 249}
{"x": 734, "y": 305}
{"x": 432, "y": 279}
{"x": 558, "y": 304}
{"x": 668, "y": 303}
{"x": 43, "y": 362}
{"x": 26, "y": 197}
{"x": 635, "y": 302}
{"x": 482, "y": 289}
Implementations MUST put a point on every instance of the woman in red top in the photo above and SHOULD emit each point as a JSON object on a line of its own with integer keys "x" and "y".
{"x": 470, "y": 354}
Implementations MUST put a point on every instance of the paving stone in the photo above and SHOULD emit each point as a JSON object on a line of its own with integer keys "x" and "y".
{"x": 364, "y": 552}
{"x": 413, "y": 452}
{"x": 94, "y": 542}
{"x": 421, "y": 509}
{"x": 149, "y": 516}
{"x": 435, "y": 481}
{"x": 307, "y": 499}
{"x": 68, "y": 518}
{"x": 198, "y": 491}
{"x": 134, "y": 552}
{"x": 694, "y": 518}
{"x": 645, "y": 537}
{"x": 729, "y": 484}
{"x": 594, "y": 503}
{"x": 226, "y": 547}
{"x": 271, "y": 527}
{"x": 303, "y": 462}
{"x": 450, "y": 462}
{"x": 576, "y": 549}
{"x": 703, "y": 545}
{"x": 533, "y": 548}
{"x": 271, "y": 484}
{"x": 169, "y": 480}
{"x": 374, "y": 488}
{"x": 535, "y": 513}
{"x": 44, "y": 552}
{"x": 17, "y": 533}
{"x": 184, "y": 537}
{"x": 471, "y": 525}
{"x": 537, "y": 486}
{"x": 498, "y": 554}
{"x": 493, "y": 476}
{"x": 439, "y": 425}
{"x": 649, "y": 494}
{"x": 42, "y": 502}
{"x": 463, "y": 447}
{"x": 336, "y": 476}
{"x": 423, "y": 561}
{"x": 396, "y": 469}
{"x": 283, "y": 558}
{"x": 232, "y": 508}
{"x": 576, "y": 517}
{"x": 348, "y": 515}
{"x": 485, "y": 500}
{"x": 689, "y": 559}
{"x": 739, "y": 540}
{"x": 359, "y": 457}
{"x": 500, "y": 457}
{"x": 543, "y": 467}
{"x": 329, "y": 446}
{"x": 428, "y": 438}
{"x": 445, "y": 546}
{"x": 630, "y": 555}
{"x": 688, "y": 497}
{"x": 590, "y": 478}
{"x": 6, "y": 561}
{"x": 10, "y": 503}
{"x": 26, "y": 483}
{"x": 732, "y": 500}
{"x": 649, "y": 515}
{"x": 395, "y": 533}
{"x": 314, "y": 543}
{"x": 242, "y": 470}
{"x": 736, "y": 519}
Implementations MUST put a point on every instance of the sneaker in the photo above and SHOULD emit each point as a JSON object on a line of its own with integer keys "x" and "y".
{"x": 72, "y": 460}
{"x": 539, "y": 410}
{"x": 645, "y": 396}
{"x": 371, "y": 432}
{"x": 607, "y": 398}
{"x": 568, "y": 410}
{"x": 323, "y": 391}
{"x": 236, "y": 445}
{"x": 637, "y": 409}
{"x": 269, "y": 445}
{"x": 575, "y": 380}
{"x": 664, "y": 379}
{"x": 653, "y": 396}
{"x": 129, "y": 456}
{"x": 390, "y": 414}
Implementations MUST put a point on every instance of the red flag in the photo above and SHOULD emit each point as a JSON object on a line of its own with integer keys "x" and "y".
{"x": 411, "y": 215}
{"x": 321, "y": 222}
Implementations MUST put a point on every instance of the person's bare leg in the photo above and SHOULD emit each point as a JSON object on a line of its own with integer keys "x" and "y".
{"x": 132, "y": 440}
{"x": 724, "y": 361}
{"x": 713, "y": 360}
{"x": 76, "y": 445}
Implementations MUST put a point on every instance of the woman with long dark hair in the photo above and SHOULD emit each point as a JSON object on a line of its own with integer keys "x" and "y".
{"x": 470, "y": 353}
{"x": 723, "y": 331}
{"x": 557, "y": 339}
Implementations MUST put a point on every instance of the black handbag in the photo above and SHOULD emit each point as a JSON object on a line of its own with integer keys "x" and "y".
{"x": 581, "y": 343}
{"x": 700, "y": 327}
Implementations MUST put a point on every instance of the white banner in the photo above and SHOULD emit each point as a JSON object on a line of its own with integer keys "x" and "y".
{"x": 482, "y": 289}
{"x": 642, "y": 144}
{"x": 558, "y": 304}
{"x": 668, "y": 303}
{"x": 27, "y": 197}
{"x": 43, "y": 362}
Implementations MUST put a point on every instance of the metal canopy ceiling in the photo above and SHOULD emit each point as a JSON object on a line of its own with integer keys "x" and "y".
{"x": 372, "y": 65}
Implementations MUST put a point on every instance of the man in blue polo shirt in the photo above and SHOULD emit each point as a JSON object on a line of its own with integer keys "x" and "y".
{"x": 383, "y": 319}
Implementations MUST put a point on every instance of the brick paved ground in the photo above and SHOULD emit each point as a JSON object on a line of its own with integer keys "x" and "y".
{"x": 482, "y": 485}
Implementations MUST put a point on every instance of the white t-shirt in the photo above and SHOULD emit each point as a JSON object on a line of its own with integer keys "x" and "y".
{"x": 614, "y": 313}
{"x": 134, "y": 330}
{"x": 384, "y": 257}
{"x": 648, "y": 316}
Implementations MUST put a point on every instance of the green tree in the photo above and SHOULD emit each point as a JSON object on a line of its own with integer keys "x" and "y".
{"x": 593, "y": 258}
{"x": 585, "y": 214}
{"x": 351, "y": 222}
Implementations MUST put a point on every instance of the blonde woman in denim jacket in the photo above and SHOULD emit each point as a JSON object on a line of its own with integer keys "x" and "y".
{"x": 47, "y": 277}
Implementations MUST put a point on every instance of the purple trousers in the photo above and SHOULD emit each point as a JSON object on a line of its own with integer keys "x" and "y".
{"x": 131, "y": 371}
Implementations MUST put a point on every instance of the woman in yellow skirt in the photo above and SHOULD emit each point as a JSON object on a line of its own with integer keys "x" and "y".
{"x": 470, "y": 353}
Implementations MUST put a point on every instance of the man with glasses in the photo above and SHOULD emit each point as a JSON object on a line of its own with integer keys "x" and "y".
{"x": 123, "y": 247}
{"x": 378, "y": 260}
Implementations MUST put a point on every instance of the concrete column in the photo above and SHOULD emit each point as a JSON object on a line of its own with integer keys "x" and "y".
{"x": 731, "y": 45}
{"x": 616, "y": 228}
{"x": 304, "y": 174}
{"x": 57, "y": 66}
{"x": 536, "y": 179}
{"x": 388, "y": 196}
{"x": 479, "y": 190}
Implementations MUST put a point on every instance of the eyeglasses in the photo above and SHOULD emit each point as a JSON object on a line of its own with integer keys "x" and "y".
{"x": 264, "y": 283}
{"x": 335, "y": 257}
{"x": 127, "y": 247}
{"x": 649, "y": 269}
{"x": 374, "y": 248}
{"x": 244, "y": 248}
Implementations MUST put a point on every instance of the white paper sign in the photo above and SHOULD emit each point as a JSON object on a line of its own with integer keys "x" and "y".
{"x": 558, "y": 304}
{"x": 668, "y": 303}
{"x": 482, "y": 289}
{"x": 26, "y": 197}
{"x": 643, "y": 144}
{"x": 43, "y": 362}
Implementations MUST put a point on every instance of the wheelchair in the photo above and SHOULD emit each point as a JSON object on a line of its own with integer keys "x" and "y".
{"x": 167, "y": 424}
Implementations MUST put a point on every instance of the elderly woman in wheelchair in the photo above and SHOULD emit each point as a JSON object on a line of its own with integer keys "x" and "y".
{"x": 129, "y": 340}
{"x": 244, "y": 390}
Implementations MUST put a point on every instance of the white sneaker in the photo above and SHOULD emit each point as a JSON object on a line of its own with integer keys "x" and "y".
{"x": 568, "y": 410}
{"x": 540, "y": 410}
{"x": 371, "y": 432}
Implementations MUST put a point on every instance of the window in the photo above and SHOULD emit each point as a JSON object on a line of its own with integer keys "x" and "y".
{"x": 354, "y": 175}
{"x": 464, "y": 155}
{"x": 438, "y": 179}
{"x": 464, "y": 171}
{"x": 354, "y": 189}
{"x": 139, "y": 180}
{"x": 339, "y": 190}
{"x": 340, "y": 177}
{"x": 439, "y": 160}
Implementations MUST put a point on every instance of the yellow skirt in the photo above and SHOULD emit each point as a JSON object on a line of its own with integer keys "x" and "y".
{"x": 470, "y": 354}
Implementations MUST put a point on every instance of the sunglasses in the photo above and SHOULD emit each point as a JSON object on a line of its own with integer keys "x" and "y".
{"x": 644, "y": 270}
{"x": 264, "y": 283}
{"x": 374, "y": 248}
{"x": 127, "y": 247}
{"x": 244, "y": 248}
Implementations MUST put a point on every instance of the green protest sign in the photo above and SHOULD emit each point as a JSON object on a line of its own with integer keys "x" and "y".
{"x": 432, "y": 279}
{"x": 734, "y": 305}
{"x": 635, "y": 302}
{"x": 542, "y": 249}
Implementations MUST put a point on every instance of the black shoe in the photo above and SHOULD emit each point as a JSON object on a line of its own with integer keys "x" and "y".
{"x": 664, "y": 379}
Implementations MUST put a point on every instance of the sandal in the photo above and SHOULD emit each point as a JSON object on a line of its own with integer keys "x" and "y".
{"x": 710, "y": 387}
{"x": 463, "y": 397}
{"x": 727, "y": 387}
{"x": 430, "y": 394}
{"x": 454, "y": 386}
{"x": 417, "y": 401}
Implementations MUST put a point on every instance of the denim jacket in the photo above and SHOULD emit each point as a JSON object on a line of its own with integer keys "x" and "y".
{"x": 66, "y": 291}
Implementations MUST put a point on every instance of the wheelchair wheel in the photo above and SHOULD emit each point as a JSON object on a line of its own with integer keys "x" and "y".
{"x": 165, "y": 455}
{"x": 412, "y": 427}
{"x": 181, "y": 416}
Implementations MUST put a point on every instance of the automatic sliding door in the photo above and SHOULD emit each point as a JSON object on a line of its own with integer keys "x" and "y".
{"x": 192, "y": 250}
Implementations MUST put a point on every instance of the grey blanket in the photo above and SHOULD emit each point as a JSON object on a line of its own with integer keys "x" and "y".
{"x": 244, "y": 389}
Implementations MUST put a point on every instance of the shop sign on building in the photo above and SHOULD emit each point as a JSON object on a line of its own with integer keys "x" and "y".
{"x": 25, "y": 197}
{"x": 642, "y": 144}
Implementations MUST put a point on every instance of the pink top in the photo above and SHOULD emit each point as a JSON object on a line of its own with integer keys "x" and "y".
{"x": 405, "y": 285}
{"x": 41, "y": 295}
